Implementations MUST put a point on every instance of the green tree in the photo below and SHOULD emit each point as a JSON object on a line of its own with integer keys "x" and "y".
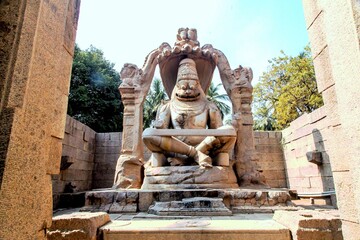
{"x": 287, "y": 90}
{"x": 214, "y": 96}
{"x": 264, "y": 119}
{"x": 153, "y": 100}
{"x": 94, "y": 98}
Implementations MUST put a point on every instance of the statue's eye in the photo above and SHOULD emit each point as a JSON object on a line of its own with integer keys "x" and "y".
{"x": 192, "y": 87}
{"x": 183, "y": 87}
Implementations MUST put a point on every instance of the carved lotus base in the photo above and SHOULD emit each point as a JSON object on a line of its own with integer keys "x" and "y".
{"x": 189, "y": 177}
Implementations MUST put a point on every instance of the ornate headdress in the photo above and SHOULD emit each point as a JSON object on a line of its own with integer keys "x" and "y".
{"x": 187, "y": 70}
{"x": 186, "y": 47}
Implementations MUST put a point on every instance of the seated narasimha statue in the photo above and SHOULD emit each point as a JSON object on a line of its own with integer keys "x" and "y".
{"x": 189, "y": 109}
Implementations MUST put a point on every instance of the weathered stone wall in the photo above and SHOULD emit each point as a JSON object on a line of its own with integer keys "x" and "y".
{"x": 77, "y": 164}
{"x": 271, "y": 158}
{"x": 334, "y": 34}
{"x": 108, "y": 146}
{"x": 268, "y": 145}
{"x": 92, "y": 157}
{"x": 308, "y": 134}
{"x": 36, "y": 57}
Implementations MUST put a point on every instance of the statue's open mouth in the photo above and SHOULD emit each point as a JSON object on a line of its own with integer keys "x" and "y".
{"x": 187, "y": 97}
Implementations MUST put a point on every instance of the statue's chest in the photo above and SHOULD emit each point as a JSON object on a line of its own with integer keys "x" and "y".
{"x": 189, "y": 119}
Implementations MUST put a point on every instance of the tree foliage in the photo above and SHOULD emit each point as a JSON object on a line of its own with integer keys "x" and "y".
{"x": 153, "y": 100}
{"x": 287, "y": 90}
{"x": 94, "y": 98}
{"x": 214, "y": 96}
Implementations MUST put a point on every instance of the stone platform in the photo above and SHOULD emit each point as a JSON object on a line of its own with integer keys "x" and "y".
{"x": 238, "y": 227}
{"x": 137, "y": 200}
{"x": 302, "y": 224}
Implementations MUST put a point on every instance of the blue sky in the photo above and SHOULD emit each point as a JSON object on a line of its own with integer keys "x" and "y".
{"x": 249, "y": 32}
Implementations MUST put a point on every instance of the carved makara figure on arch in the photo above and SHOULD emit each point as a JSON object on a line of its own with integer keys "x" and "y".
{"x": 187, "y": 109}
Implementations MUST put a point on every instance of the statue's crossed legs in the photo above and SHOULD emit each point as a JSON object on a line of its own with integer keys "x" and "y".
{"x": 217, "y": 147}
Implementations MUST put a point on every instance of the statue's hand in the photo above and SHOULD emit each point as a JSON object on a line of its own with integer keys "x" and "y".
{"x": 158, "y": 124}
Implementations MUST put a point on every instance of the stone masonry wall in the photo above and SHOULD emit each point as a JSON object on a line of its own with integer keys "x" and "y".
{"x": 271, "y": 158}
{"x": 94, "y": 156}
{"x": 268, "y": 145}
{"x": 108, "y": 146}
{"x": 77, "y": 161}
{"x": 308, "y": 134}
{"x": 334, "y": 34}
{"x": 37, "y": 44}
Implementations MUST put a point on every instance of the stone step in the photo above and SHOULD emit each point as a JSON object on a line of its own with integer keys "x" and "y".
{"x": 138, "y": 200}
{"x": 197, "y": 206}
{"x": 195, "y": 229}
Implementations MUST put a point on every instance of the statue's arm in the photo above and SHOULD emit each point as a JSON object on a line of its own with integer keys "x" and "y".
{"x": 215, "y": 120}
{"x": 163, "y": 117}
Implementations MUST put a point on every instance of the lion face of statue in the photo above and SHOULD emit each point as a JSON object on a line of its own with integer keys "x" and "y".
{"x": 188, "y": 90}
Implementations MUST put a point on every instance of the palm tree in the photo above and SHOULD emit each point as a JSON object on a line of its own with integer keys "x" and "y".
{"x": 153, "y": 100}
{"x": 263, "y": 118}
{"x": 219, "y": 99}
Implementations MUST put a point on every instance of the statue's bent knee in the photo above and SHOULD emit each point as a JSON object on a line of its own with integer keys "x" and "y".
{"x": 152, "y": 142}
{"x": 227, "y": 143}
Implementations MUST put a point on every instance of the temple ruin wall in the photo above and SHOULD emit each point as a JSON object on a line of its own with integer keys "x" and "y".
{"x": 36, "y": 57}
{"x": 333, "y": 28}
{"x": 282, "y": 156}
{"x": 271, "y": 158}
{"x": 77, "y": 165}
{"x": 308, "y": 134}
{"x": 108, "y": 147}
{"x": 94, "y": 156}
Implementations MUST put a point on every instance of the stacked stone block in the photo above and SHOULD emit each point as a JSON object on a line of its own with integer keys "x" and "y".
{"x": 271, "y": 158}
{"x": 37, "y": 43}
{"x": 334, "y": 33}
{"x": 76, "y": 172}
{"x": 77, "y": 226}
{"x": 307, "y": 135}
{"x": 310, "y": 225}
{"x": 108, "y": 146}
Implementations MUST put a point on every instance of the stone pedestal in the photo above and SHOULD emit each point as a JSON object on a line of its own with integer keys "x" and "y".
{"x": 189, "y": 177}
{"x": 138, "y": 200}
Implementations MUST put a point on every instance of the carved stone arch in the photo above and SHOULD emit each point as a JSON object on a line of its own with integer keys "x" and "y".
{"x": 169, "y": 68}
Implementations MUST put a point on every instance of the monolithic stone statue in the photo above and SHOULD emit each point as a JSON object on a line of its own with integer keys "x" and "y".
{"x": 188, "y": 128}
{"x": 187, "y": 109}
